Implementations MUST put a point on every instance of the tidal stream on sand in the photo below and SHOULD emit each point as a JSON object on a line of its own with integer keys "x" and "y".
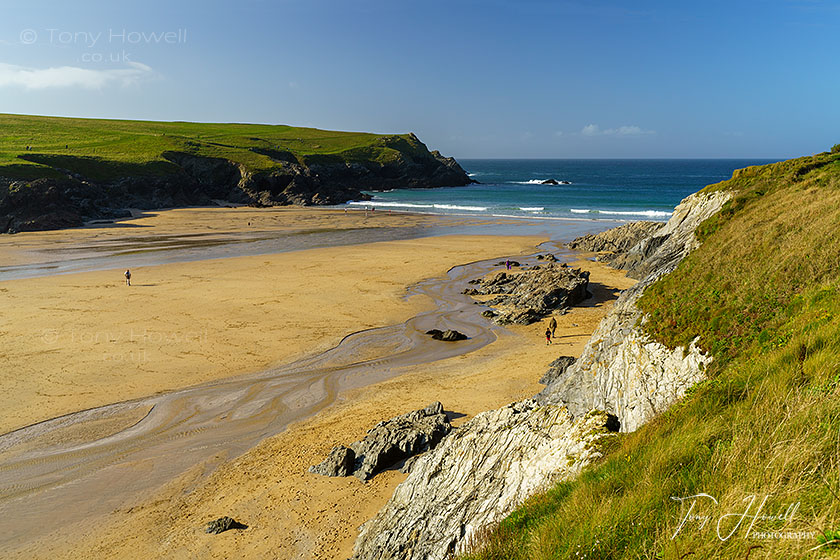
{"x": 91, "y": 462}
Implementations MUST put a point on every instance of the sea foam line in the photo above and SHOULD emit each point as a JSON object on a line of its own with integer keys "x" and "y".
{"x": 647, "y": 213}
{"x": 387, "y": 204}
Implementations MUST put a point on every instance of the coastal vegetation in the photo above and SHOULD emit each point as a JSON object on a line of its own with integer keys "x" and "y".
{"x": 59, "y": 172}
{"x": 759, "y": 439}
{"x": 36, "y": 146}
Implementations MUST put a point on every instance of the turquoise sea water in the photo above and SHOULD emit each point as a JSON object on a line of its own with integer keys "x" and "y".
{"x": 619, "y": 189}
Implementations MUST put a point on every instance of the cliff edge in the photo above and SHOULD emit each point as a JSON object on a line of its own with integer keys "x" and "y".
{"x": 59, "y": 172}
{"x": 491, "y": 464}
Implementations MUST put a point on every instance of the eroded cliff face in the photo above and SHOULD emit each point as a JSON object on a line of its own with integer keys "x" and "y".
{"x": 621, "y": 371}
{"x": 474, "y": 478}
{"x": 69, "y": 199}
{"x": 492, "y": 463}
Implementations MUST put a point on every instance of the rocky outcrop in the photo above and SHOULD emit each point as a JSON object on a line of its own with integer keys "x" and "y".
{"x": 614, "y": 244}
{"x": 340, "y": 462}
{"x": 621, "y": 370}
{"x": 388, "y": 443}
{"x": 556, "y": 368}
{"x": 488, "y": 466}
{"x": 526, "y": 297}
{"x": 66, "y": 198}
{"x": 447, "y": 335}
{"x": 223, "y": 524}
{"x": 476, "y": 476}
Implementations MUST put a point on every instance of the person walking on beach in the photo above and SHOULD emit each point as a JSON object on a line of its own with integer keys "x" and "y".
{"x": 507, "y": 264}
{"x": 552, "y": 325}
{"x": 127, "y": 277}
{"x": 547, "y": 336}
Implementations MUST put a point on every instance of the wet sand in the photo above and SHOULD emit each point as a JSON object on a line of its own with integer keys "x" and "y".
{"x": 84, "y": 340}
{"x": 77, "y": 341}
{"x": 294, "y": 514}
{"x": 193, "y": 234}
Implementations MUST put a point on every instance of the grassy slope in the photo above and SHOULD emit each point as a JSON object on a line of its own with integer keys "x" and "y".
{"x": 763, "y": 294}
{"x": 105, "y": 149}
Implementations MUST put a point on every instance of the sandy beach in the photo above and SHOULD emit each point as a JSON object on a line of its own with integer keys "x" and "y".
{"x": 83, "y": 340}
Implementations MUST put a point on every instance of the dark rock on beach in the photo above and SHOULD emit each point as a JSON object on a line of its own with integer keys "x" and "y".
{"x": 556, "y": 369}
{"x": 341, "y": 462}
{"x": 223, "y": 524}
{"x": 447, "y": 335}
{"x": 526, "y": 297}
{"x": 388, "y": 443}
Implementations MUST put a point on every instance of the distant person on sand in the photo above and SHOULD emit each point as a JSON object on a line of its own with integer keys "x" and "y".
{"x": 127, "y": 277}
{"x": 548, "y": 336}
{"x": 552, "y": 325}
{"x": 507, "y": 264}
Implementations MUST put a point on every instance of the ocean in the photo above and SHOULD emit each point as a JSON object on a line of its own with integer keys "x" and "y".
{"x": 597, "y": 189}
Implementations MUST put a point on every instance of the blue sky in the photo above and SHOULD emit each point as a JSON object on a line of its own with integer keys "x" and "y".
{"x": 475, "y": 78}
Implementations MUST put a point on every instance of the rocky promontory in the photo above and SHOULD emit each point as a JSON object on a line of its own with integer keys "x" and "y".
{"x": 146, "y": 166}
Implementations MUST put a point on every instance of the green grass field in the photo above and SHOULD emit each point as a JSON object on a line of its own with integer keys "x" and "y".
{"x": 763, "y": 294}
{"x": 106, "y": 149}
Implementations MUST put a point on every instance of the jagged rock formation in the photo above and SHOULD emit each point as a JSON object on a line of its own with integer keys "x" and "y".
{"x": 620, "y": 370}
{"x": 526, "y": 297}
{"x": 484, "y": 470}
{"x": 614, "y": 244}
{"x": 476, "y": 476}
{"x": 68, "y": 199}
{"x": 388, "y": 443}
{"x": 340, "y": 462}
{"x": 556, "y": 368}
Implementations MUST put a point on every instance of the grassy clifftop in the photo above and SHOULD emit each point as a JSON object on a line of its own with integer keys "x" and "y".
{"x": 57, "y": 172}
{"x": 106, "y": 149}
{"x": 759, "y": 441}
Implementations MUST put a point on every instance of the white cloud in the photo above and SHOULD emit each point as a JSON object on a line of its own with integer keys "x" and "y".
{"x": 595, "y": 130}
{"x": 72, "y": 76}
{"x": 591, "y": 130}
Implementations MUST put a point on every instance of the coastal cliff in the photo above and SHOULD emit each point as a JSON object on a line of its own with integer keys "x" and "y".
{"x": 57, "y": 173}
{"x": 719, "y": 368}
{"x": 490, "y": 465}
{"x": 621, "y": 370}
